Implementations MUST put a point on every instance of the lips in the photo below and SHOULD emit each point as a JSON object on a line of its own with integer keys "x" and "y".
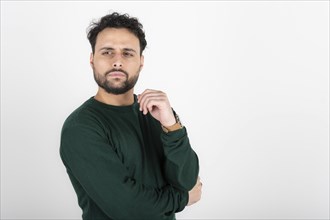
{"x": 117, "y": 74}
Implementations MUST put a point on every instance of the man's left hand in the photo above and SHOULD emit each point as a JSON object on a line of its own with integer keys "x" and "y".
{"x": 157, "y": 104}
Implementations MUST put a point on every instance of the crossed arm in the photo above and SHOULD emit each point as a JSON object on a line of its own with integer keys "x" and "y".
{"x": 157, "y": 104}
{"x": 105, "y": 178}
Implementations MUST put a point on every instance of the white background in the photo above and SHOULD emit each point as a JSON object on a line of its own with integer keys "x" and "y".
{"x": 250, "y": 80}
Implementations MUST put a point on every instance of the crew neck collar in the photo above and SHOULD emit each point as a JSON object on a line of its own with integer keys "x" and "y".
{"x": 114, "y": 107}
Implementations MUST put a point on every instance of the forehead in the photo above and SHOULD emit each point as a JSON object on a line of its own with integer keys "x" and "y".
{"x": 117, "y": 38}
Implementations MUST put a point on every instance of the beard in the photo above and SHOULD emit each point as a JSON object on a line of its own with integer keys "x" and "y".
{"x": 114, "y": 86}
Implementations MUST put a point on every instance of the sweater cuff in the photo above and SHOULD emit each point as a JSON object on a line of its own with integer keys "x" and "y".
{"x": 174, "y": 135}
{"x": 184, "y": 201}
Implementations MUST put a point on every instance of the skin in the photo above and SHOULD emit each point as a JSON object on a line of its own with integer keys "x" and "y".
{"x": 116, "y": 49}
{"x": 119, "y": 49}
{"x": 196, "y": 193}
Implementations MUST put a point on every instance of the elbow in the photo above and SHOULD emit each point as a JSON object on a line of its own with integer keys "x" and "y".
{"x": 190, "y": 181}
{"x": 191, "y": 176}
{"x": 186, "y": 178}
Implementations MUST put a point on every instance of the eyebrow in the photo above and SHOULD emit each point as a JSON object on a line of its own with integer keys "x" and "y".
{"x": 125, "y": 49}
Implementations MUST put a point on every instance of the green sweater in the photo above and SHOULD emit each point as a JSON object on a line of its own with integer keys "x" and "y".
{"x": 123, "y": 166}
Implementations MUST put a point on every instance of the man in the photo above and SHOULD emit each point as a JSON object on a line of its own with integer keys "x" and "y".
{"x": 127, "y": 155}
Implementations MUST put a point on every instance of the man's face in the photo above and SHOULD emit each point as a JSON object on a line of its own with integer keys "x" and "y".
{"x": 116, "y": 61}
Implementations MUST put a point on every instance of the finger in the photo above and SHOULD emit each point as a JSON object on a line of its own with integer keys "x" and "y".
{"x": 149, "y": 95}
{"x": 142, "y": 97}
{"x": 146, "y": 98}
{"x": 151, "y": 103}
{"x": 145, "y": 92}
{"x": 150, "y": 91}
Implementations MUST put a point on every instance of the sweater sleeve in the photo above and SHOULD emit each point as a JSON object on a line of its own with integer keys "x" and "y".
{"x": 181, "y": 165}
{"x": 100, "y": 172}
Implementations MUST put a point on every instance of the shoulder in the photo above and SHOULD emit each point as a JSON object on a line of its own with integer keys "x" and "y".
{"x": 85, "y": 118}
{"x": 82, "y": 127}
{"x": 84, "y": 114}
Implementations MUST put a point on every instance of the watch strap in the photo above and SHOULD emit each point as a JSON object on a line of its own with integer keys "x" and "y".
{"x": 174, "y": 127}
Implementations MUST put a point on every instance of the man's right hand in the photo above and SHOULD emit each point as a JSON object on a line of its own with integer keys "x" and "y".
{"x": 195, "y": 193}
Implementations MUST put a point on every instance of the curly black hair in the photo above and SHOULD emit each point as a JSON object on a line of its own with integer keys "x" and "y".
{"x": 116, "y": 20}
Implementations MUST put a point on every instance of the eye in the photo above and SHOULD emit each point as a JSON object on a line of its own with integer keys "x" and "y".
{"x": 128, "y": 54}
{"x": 108, "y": 52}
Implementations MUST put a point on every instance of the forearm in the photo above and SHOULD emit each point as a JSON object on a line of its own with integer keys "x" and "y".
{"x": 181, "y": 164}
{"x": 133, "y": 199}
{"x": 120, "y": 197}
{"x": 107, "y": 182}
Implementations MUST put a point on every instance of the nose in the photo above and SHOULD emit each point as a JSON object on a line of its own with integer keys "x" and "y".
{"x": 117, "y": 63}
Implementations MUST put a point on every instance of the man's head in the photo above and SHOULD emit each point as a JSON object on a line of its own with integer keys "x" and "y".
{"x": 117, "y": 44}
{"x": 116, "y": 20}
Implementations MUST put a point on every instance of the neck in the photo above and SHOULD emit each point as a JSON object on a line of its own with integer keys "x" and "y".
{"x": 116, "y": 100}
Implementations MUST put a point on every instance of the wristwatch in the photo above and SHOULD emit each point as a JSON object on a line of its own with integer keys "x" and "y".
{"x": 176, "y": 126}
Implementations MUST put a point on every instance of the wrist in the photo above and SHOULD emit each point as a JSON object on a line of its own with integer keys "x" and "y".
{"x": 169, "y": 123}
{"x": 175, "y": 126}
{"x": 171, "y": 128}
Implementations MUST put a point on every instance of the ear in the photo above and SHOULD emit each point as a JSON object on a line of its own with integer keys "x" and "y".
{"x": 141, "y": 62}
{"x": 91, "y": 60}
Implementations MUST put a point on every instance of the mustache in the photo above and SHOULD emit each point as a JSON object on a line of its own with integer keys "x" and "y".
{"x": 116, "y": 70}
